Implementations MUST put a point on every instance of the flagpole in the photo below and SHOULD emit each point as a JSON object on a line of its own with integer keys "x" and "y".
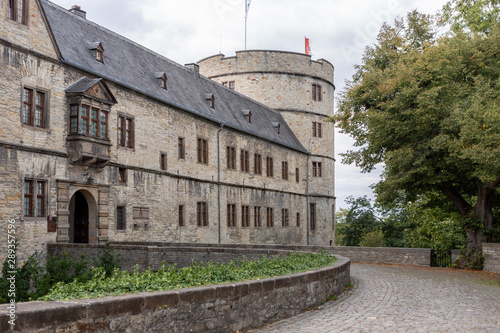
{"x": 246, "y": 13}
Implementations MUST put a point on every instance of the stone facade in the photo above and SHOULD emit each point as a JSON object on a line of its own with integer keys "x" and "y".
{"x": 148, "y": 179}
{"x": 491, "y": 253}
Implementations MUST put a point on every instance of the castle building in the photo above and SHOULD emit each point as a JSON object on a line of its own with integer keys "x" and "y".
{"x": 104, "y": 140}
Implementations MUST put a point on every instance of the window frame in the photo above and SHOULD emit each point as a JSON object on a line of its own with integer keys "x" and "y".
{"x": 13, "y": 6}
{"x": 244, "y": 160}
{"x": 316, "y": 92}
{"x": 202, "y": 214}
{"x": 257, "y": 164}
{"x": 269, "y": 166}
{"x": 180, "y": 211}
{"x": 121, "y": 226}
{"x": 100, "y": 123}
{"x": 202, "y": 151}
{"x": 122, "y": 176}
{"x": 231, "y": 158}
{"x": 317, "y": 129}
{"x": 126, "y": 131}
{"x": 317, "y": 169}
{"x": 163, "y": 161}
{"x": 312, "y": 216}
{"x": 257, "y": 218}
{"x": 34, "y": 197}
{"x": 33, "y": 107}
{"x": 231, "y": 215}
{"x": 284, "y": 170}
{"x": 270, "y": 217}
{"x": 245, "y": 216}
{"x": 284, "y": 217}
{"x": 181, "y": 148}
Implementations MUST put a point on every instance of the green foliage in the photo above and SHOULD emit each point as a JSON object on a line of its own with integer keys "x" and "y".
{"x": 472, "y": 15}
{"x": 38, "y": 275}
{"x": 373, "y": 238}
{"x": 108, "y": 260}
{"x": 359, "y": 220}
{"x": 427, "y": 107}
{"x": 171, "y": 277}
{"x": 472, "y": 259}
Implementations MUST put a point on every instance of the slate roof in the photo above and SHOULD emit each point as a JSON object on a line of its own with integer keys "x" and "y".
{"x": 134, "y": 66}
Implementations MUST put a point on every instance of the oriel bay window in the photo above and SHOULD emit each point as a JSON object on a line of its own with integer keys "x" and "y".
{"x": 89, "y": 120}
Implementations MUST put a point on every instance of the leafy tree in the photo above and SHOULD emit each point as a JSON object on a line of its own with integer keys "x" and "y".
{"x": 427, "y": 107}
{"x": 359, "y": 220}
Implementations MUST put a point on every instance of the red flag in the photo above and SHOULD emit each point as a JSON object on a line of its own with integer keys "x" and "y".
{"x": 308, "y": 47}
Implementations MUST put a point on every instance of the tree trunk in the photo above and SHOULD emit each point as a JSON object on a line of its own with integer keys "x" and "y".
{"x": 483, "y": 212}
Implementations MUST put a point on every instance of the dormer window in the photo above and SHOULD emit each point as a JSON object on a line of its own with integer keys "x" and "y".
{"x": 211, "y": 100}
{"x": 98, "y": 51}
{"x": 276, "y": 126}
{"x": 247, "y": 114}
{"x": 161, "y": 77}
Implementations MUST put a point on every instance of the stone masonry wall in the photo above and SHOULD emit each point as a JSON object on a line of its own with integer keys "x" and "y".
{"x": 220, "y": 308}
{"x": 491, "y": 252}
{"x": 386, "y": 255}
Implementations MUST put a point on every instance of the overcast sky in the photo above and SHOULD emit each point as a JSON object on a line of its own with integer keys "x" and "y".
{"x": 189, "y": 30}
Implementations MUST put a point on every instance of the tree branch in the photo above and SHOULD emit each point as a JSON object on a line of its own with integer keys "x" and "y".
{"x": 495, "y": 183}
{"x": 457, "y": 200}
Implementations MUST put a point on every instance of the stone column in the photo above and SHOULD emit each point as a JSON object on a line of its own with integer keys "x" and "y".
{"x": 103, "y": 215}
{"x": 62, "y": 212}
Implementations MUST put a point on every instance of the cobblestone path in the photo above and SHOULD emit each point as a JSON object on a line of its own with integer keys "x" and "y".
{"x": 405, "y": 299}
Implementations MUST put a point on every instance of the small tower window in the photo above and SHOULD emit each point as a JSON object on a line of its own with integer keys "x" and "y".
{"x": 211, "y": 100}
{"x": 161, "y": 77}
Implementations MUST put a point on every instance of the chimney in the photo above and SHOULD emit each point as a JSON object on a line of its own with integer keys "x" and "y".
{"x": 194, "y": 67}
{"x": 78, "y": 11}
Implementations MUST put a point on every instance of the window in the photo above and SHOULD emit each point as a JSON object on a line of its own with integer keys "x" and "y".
{"x": 231, "y": 158}
{"x": 201, "y": 214}
{"x": 181, "y": 215}
{"x": 17, "y": 10}
{"x": 269, "y": 167}
{"x": 120, "y": 218}
{"x": 231, "y": 215}
{"x": 284, "y": 170}
{"x": 34, "y": 107}
{"x": 125, "y": 131}
{"x": 88, "y": 120}
{"x": 297, "y": 175}
{"x": 276, "y": 127}
{"x": 161, "y": 78}
{"x": 316, "y": 92}
{"x": 211, "y": 100}
{"x": 245, "y": 161}
{"x": 284, "y": 217}
{"x": 224, "y": 83}
{"x": 257, "y": 164}
{"x": 181, "y": 149}
{"x": 245, "y": 216}
{"x": 99, "y": 55}
{"x": 122, "y": 175}
{"x": 163, "y": 161}
{"x": 202, "y": 151}
{"x": 298, "y": 219}
{"x": 316, "y": 129}
{"x": 34, "y": 198}
{"x": 316, "y": 169}
{"x": 256, "y": 216}
{"x": 270, "y": 217}
{"x": 312, "y": 215}
{"x": 231, "y": 85}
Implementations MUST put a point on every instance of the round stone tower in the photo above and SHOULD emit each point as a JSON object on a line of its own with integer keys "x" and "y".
{"x": 302, "y": 90}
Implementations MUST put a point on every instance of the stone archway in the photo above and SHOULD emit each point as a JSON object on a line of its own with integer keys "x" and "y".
{"x": 82, "y": 213}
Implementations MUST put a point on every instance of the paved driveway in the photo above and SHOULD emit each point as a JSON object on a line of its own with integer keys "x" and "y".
{"x": 405, "y": 299}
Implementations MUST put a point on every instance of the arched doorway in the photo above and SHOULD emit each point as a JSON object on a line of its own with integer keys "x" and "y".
{"x": 79, "y": 218}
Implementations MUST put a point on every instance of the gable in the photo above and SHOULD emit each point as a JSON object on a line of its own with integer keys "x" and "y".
{"x": 33, "y": 35}
{"x": 92, "y": 88}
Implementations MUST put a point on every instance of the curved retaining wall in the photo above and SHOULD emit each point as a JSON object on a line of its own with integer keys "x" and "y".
{"x": 218, "y": 308}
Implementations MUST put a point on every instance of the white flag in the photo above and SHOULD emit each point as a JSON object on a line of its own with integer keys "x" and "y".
{"x": 247, "y": 7}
